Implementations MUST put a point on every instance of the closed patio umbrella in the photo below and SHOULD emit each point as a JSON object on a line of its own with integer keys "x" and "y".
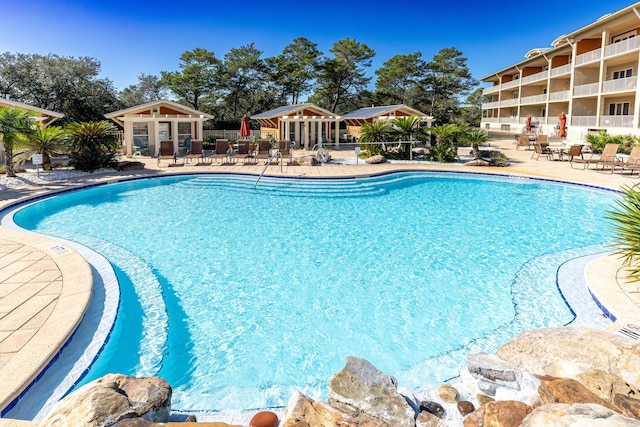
{"x": 562, "y": 131}
{"x": 245, "y": 131}
{"x": 528, "y": 125}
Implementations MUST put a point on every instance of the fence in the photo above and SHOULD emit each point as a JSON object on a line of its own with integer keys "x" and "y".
{"x": 225, "y": 134}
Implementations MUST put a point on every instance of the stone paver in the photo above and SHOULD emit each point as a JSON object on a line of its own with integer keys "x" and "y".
{"x": 44, "y": 291}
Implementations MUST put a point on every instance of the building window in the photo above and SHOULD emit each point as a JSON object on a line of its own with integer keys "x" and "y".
{"x": 184, "y": 131}
{"x": 625, "y": 36}
{"x": 514, "y": 114}
{"x": 619, "y": 109}
{"x": 622, "y": 74}
{"x": 140, "y": 138}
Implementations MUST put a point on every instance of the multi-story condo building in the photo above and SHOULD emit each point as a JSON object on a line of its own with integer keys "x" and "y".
{"x": 590, "y": 74}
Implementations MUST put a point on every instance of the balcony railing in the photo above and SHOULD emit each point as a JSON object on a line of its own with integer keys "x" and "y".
{"x": 508, "y": 102}
{"x": 535, "y": 77}
{"x": 584, "y": 121}
{"x": 535, "y": 99}
{"x": 489, "y": 120}
{"x": 490, "y": 90}
{"x": 490, "y": 105}
{"x": 620, "y": 85}
{"x": 617, "y": 121}
{"x": 513, "y": 83}
{"x": 586, "y": 90}
{"x": 563, "y": 69}
{"x": 623, "y": 46}
{"x": 591, "y": 56}
{"x": 559, "y": 96}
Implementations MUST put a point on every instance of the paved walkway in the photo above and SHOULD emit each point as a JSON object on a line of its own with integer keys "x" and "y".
{"x": 45, "y": 286}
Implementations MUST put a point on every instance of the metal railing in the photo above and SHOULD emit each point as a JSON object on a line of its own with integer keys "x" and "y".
{"x": 620, "y": 85}
{"x": 226, "y": 134}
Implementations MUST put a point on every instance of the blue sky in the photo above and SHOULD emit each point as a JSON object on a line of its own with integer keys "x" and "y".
{"x": 130, "y": 38}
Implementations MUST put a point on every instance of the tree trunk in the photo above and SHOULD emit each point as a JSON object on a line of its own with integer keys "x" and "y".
{"x": 8, "y": 161}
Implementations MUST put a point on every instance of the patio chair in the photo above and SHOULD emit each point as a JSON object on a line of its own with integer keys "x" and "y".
{"x": 284, "y": 151}
{"x": 573, "y": 152}
{"x": 222, "y": 151}
{"x": 264, "y": 150}
{"x": 541, "y": 149}
{"x": 244, "y": 153}
{"x": 166, "y": 152}
{"x": 608, "y": 157}
{"x": 522, "y": 140}
{"x": 633, "y": 162}
{"x": 195, "y": 151}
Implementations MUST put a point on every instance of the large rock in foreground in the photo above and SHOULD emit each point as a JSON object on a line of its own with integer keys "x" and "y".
{"x": 566, "y": 352}
{"x": 360, "y": 388}
{"x": 113, "y": 398}
{"x": 579, "y": 414}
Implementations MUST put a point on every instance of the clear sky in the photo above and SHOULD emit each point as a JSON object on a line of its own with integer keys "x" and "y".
{"x": 132, "y": 37}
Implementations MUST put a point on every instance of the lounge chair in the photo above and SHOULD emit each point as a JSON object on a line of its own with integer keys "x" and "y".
{"x": 166, "y": 152}
{"x": 633, "y": 162}
{"x": 284, "y": 151}
{"x": 222, "y": 150}
{"x": 195, "y": 151}
{"x": 243, "y": 152}
{"x": 264, "y": 150}
{"x": 542, "y": 149}
{"x": 607, "y": 158}
{"x": 523, "y": 140}
{"x": 573, "y": 152}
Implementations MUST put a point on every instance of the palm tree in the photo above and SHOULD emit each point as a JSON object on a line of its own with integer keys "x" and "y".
{"x": 15, "y": 125}
{"x": 626, "y": 229}
{"x": 443, "y": 132}
{"x": 93, "y": 145}
{"x": 50, "y": 142}
{"x": 404, "y": 129}
{"x": 379, "y": 131}
{"x": 475, "y": 137}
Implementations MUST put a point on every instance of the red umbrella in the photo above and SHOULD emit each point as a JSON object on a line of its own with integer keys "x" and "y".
{"x": 562, "y": 132}
{"x": 245, "y": 131}
{"x": 528, "y": 125}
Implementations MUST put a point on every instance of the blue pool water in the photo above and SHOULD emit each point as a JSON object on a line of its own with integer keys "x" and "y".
{"x": 239, "y": 294}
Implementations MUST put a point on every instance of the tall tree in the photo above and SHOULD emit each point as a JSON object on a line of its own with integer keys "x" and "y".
{"x": 295, "y": 69}
{"x": 197, "y": 79}
{"x": 447, "y": 80}
{"x": 148, "y": 89}
{"x": 471, "y": 112}
{"x": 398, "y": 77}
{"x": 15, "y": 124}
{"x": 244, "y": 79}
{"x": 344, "y": 75}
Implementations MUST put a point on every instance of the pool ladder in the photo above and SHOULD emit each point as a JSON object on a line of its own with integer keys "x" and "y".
{"x": 267, "y": 164}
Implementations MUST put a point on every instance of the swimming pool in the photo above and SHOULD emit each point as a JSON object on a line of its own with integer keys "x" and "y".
{"x": 241, "y": 294}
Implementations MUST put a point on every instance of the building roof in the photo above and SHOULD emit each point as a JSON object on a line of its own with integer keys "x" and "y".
{"x": 162, "y": 102}
{"x": 287, "y": 110}
{"x": 371, "y": 112}
{"x": 42, "y": 111}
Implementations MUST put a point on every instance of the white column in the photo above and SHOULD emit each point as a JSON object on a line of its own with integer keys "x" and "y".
{"x": 306, "y": 135}
{"x": 313, "y": 134}
{"x": 128, "y": 137}
{"x": 174, "y": 135}
{"x": 336, "y": 136}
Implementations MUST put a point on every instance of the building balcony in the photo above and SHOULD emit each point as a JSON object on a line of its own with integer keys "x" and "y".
{"x": 559, "y": 96}
{"x": 535, "y": 99}
{"x": 627, "y": 84}
{"x": 584, "y": 121}
{"x": 490, "y": 90}
{"x": 591, "y": 56}
{"x": 622, "y": 47}
{"x": 543, "y": 75}
{"x": 508, "y": 102}
{"x": 617, "y": 121}
{"x": 490, "y": 105}
{"x": 590, "y": 89}
{"x": 562, "y": 70}
{"x": 508, "y": 85}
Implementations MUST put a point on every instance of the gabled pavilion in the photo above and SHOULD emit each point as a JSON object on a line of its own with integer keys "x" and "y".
{"x": 357, "y": 118}
{"x": 147, "y": 124}
{"x": 304, "y": 124}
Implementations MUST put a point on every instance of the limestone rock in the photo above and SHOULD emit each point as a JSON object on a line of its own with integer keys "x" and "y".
{"x": 477, "y": 162}
{"x": 581, "y": 414}
{"x": 360, "y": 388}
{"x": 447, "y": 393}
{"x": 567, "y": 351}
{"x": 432, "y": 407}
{"x": 488, "y": 367}
{"x": 465, "y": 407}
{"x": 264, "y": 419}
{"x": 425, "y": 419}
{"x": 305, "y": 412}
{"x": 505, "y": 413}
{"x": 483, "y": 399}
{"x": 140, "y": 422}
{"x": 377, "y": 159}
{"x": 569, "y": 391}
{"x": 129, "y": 166}
{"x": 628, "y": 406}
{"x": 606, "y": 385}
{"x": 112, "y": 398}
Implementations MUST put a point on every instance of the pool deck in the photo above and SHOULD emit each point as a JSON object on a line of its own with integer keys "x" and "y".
{"x": 45, "y": 285}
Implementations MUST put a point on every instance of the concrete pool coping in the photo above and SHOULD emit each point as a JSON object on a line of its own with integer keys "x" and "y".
{"x": 38, "y": 316}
